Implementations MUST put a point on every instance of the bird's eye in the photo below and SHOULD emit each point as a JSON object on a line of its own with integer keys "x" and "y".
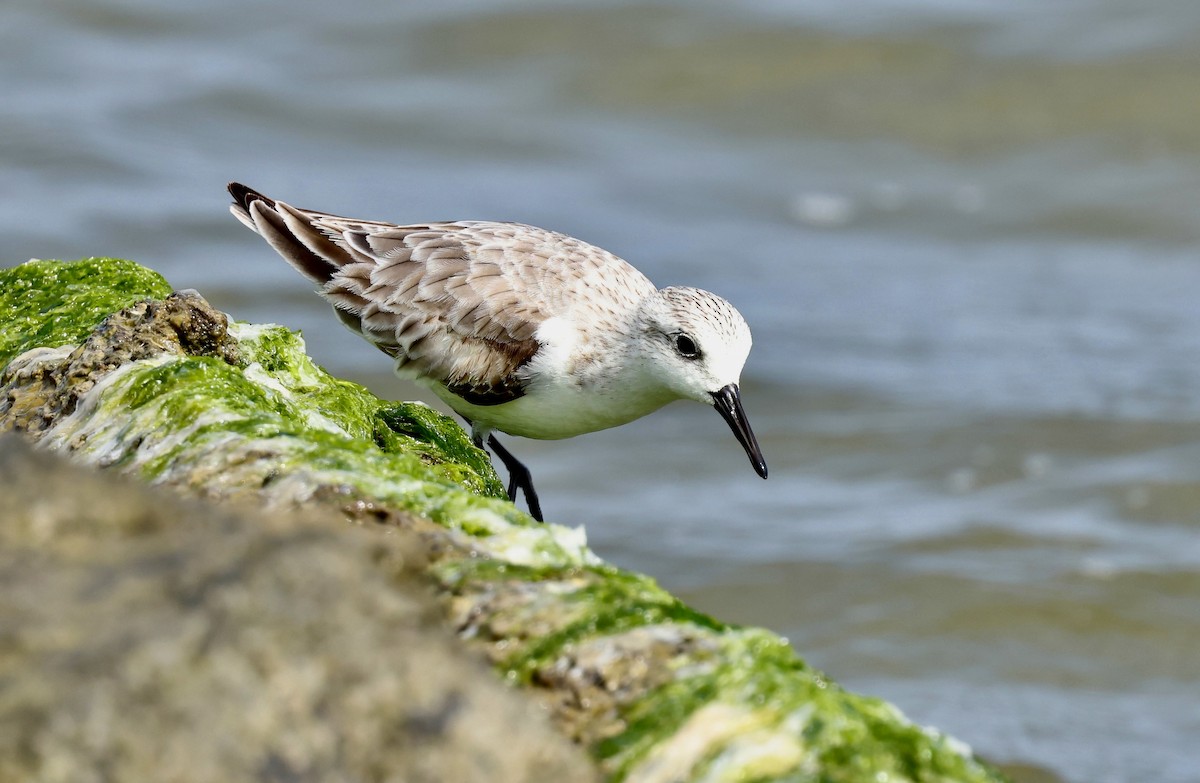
{"x": 687, "y": 347}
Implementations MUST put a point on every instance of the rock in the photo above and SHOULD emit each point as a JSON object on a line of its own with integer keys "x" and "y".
{"x": 51, "y": 381}
{"x": 231, "y": 412}
{"x": 144, "y": 638}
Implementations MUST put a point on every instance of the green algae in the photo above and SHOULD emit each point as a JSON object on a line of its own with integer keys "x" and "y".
{"x": 847, "y": 737}
{"x": 49, "y": 304}
{"x": 275, "y": 356}
{"x": 415, "y": 427}
{"x": 400, "y": 428}
{"x": 215, "y": 399}
{"x": 616, "y": 603}
{"x": 831, "y": 735}
{"x": 660, "y": 714}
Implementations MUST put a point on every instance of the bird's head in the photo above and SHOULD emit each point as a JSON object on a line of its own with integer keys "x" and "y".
{"x": 696, "y": 344}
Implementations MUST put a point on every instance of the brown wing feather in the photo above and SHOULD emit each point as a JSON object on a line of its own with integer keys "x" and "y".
{"x": 457, "y": 302}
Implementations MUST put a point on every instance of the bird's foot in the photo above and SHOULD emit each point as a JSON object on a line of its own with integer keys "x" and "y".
{"x": 519, "y": 477}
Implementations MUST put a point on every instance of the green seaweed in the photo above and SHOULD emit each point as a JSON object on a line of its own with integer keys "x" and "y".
{"x": 413, "y": 426}
{"x": 196, "y": 389}
{"x": 654, "y": 717}
{"x": 400, "y": 428}
{"x": 618, "y": 602}
{"x": 48, "y": 304}
{"x": 280, "y": 354}
{"x": 850, "y": 738}
{"x": 456, "y": 574}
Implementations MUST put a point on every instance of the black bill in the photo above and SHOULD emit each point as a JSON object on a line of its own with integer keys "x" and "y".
{"x": 728, "y": 402}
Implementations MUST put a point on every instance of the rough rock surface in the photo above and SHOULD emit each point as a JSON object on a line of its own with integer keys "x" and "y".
{"x": 652, "y": 689}
{"x": 145, "y": 638}
{"x": 50, "y": 382}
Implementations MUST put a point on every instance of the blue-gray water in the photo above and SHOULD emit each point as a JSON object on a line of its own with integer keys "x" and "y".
{"x": 966, "y": 235}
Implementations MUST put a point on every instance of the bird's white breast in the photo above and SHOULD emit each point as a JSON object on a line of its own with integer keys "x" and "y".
{"x": 575, "y": 385}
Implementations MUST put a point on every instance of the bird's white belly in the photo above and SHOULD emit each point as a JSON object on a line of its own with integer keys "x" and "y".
{"x": 555, "y": 411}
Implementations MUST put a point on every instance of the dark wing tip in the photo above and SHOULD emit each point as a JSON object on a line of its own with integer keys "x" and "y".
{"x": 316, "y": 262}
{"x": 244, "y": 196}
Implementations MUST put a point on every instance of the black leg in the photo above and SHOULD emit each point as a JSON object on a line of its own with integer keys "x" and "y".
{"x": 518, "y": 477}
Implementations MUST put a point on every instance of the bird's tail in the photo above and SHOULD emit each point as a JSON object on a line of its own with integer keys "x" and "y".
{"x": 291, "y": 232}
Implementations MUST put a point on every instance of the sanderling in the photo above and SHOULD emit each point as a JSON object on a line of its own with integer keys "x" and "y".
{"x": 516, "y": 328}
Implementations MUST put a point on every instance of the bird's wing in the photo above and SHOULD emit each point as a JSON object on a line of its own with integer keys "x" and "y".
{"x": 459, "y": 303}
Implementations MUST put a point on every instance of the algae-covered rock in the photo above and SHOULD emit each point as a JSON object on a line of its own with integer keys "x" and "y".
{"x": 45, "y": 304}
{"x": 52, "y": 380}
{"x": 654, "y": 690}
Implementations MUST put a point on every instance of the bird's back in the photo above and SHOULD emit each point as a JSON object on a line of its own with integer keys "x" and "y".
{"x": 459, "y": 303}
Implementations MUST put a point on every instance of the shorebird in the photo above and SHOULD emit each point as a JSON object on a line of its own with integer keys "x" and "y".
{"x": 516, "y": 328}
